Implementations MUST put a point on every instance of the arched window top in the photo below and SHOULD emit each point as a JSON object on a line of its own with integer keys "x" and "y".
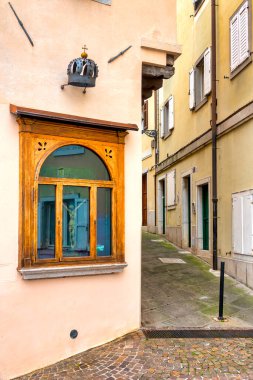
{"x": 74, "y": 161}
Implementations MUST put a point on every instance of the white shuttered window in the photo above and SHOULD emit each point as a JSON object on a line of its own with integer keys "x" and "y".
{"x": 239, "y": 36}
{"x": 162, "y": 122}
{"x": 171, "y": 112}
{"x": 192, "y": 89}
{"x": 167, "y": 117}
{"x": 242, "y": 222}
{"x": 207, "y": 71}
{"x": 171, "y": 188}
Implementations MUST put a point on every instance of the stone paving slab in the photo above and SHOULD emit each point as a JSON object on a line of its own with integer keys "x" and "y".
{"x": 176, "y": 295}
{"x": 134, "y": 357}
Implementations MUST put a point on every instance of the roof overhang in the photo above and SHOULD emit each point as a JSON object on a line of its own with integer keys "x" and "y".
{"x": 71, "y": 119}
{"x": 158, "y": 59}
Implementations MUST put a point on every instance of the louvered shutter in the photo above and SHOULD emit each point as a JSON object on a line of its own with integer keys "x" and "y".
{"x": 192, "y": 89}
{"x": 247, "y": 224}
{"x": 171, "y": 188}
{"x": 145, "y": 115}
{"x": 237, "y": 223}
{"x": 207, "y": 71}
{"x": 234, "y": 42}
{"x": 243, "y": 32}
{"x": 171, "y": 112}
{"x": 162, "y": 122}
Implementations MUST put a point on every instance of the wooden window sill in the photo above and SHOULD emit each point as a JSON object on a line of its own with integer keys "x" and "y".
{"x": 71, "y": 271}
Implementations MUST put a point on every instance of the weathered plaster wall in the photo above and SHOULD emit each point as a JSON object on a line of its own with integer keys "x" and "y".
{"x": 36, "y": 316}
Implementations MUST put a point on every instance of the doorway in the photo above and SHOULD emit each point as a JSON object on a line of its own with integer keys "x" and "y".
{"x": 161, "y": 207}
{"x": 144, "y": 199}
{"x": 203, "y": 216}
{"x": 186, "y": 211}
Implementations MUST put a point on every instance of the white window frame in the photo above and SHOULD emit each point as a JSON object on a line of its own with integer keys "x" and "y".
{"x": 242, "y": 223}
{"x": 240, "y": 25}
{"x": 167, "y": 117}
{"x": 194, "y": 85}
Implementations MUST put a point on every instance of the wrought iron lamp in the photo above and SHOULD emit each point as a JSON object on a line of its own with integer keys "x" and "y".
{"x": 82, "y": 72}
{"x": 150, "y": 133}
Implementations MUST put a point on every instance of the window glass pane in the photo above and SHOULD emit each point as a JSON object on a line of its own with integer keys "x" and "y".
{"x": 46, "y": 222}
{"x": 104, "y": 221}
{"x": 74, "y": 161}
{"x": 76, "y": 221}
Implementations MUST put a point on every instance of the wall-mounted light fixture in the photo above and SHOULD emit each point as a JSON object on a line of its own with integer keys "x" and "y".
{"x": 82, "y": 72}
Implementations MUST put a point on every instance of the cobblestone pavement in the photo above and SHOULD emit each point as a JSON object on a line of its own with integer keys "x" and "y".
{"x": 134, "y": 357}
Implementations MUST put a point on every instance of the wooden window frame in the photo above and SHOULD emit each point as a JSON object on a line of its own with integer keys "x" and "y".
{"x": 38, "y": 139}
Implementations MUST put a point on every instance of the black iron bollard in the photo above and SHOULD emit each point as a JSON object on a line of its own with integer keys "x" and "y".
{"x": 221, "y": 300}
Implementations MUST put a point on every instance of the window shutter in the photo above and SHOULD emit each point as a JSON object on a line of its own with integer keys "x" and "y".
{"x": 192, "y": 89}
{"x": 234, "y": 42}
{"x": 243, "y": 32}
{"x": 247, "y": 225}
{"x": 237, "y": 223}
{"x": 171, "y": 112}
{"x": 171, "y": 188}
{"x": 207, "y": 71}
{"x": 162, "y": 122}
{"x": 145, "y": 115}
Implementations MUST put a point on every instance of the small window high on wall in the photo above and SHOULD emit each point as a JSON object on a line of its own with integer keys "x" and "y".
{"x": 167, "y": 118}
{"x": 200, "y": 81}
{"x": 240, "y": 37}
{"x": 197, "y": 4}
{"x": 105, "y": 2}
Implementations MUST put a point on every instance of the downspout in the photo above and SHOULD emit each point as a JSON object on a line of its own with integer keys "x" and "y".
{"x": 214, "y": 136}
{"x": 156, "y": 142}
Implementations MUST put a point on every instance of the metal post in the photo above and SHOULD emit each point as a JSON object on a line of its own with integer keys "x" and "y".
{"x": 221, "y": 298}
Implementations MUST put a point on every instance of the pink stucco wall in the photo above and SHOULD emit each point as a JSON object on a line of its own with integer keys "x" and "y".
{"x": 36, "y": 316}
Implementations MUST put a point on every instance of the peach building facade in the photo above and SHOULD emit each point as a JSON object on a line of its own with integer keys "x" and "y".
{"x": 99, "y": 297}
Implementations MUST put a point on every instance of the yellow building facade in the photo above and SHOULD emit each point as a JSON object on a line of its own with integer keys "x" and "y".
{"x": 179, "y": 167}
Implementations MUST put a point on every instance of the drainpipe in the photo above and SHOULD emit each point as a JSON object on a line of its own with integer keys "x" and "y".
{"x": 214, "y": 136}
{"x": 156, "y": 141}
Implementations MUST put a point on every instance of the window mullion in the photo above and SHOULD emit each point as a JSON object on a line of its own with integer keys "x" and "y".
{"x": 93, "y": 221}
{"x": 58, "y": 222}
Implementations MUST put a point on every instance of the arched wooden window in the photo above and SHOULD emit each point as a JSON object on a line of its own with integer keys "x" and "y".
{"x": 74, "y": 193}
{"x": 72, "y": 199}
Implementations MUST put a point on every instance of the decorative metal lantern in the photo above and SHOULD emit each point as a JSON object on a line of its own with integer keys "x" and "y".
{"x": 82, "y": 72}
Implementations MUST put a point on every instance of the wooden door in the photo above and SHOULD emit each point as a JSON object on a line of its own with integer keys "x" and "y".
{"x": 144, "y": 199}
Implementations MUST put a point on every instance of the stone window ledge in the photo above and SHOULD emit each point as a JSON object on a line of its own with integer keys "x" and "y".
{"x": 71, "y": 271}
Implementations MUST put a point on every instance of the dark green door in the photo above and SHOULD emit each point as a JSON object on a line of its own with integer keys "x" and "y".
{"x": 189, "y": 210}
{"x": 205, "y": 215}
{"x": 164, "y": 207}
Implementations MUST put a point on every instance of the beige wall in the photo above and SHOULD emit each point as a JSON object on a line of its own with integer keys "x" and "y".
{"x": 234, "y": 153}
{"x": 36, "y": 316}
{"x": 232, "y": 94}
{"x": 235, "y": 161}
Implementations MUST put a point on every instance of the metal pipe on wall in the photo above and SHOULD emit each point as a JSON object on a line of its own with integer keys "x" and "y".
{"x": 214, "y": 136}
